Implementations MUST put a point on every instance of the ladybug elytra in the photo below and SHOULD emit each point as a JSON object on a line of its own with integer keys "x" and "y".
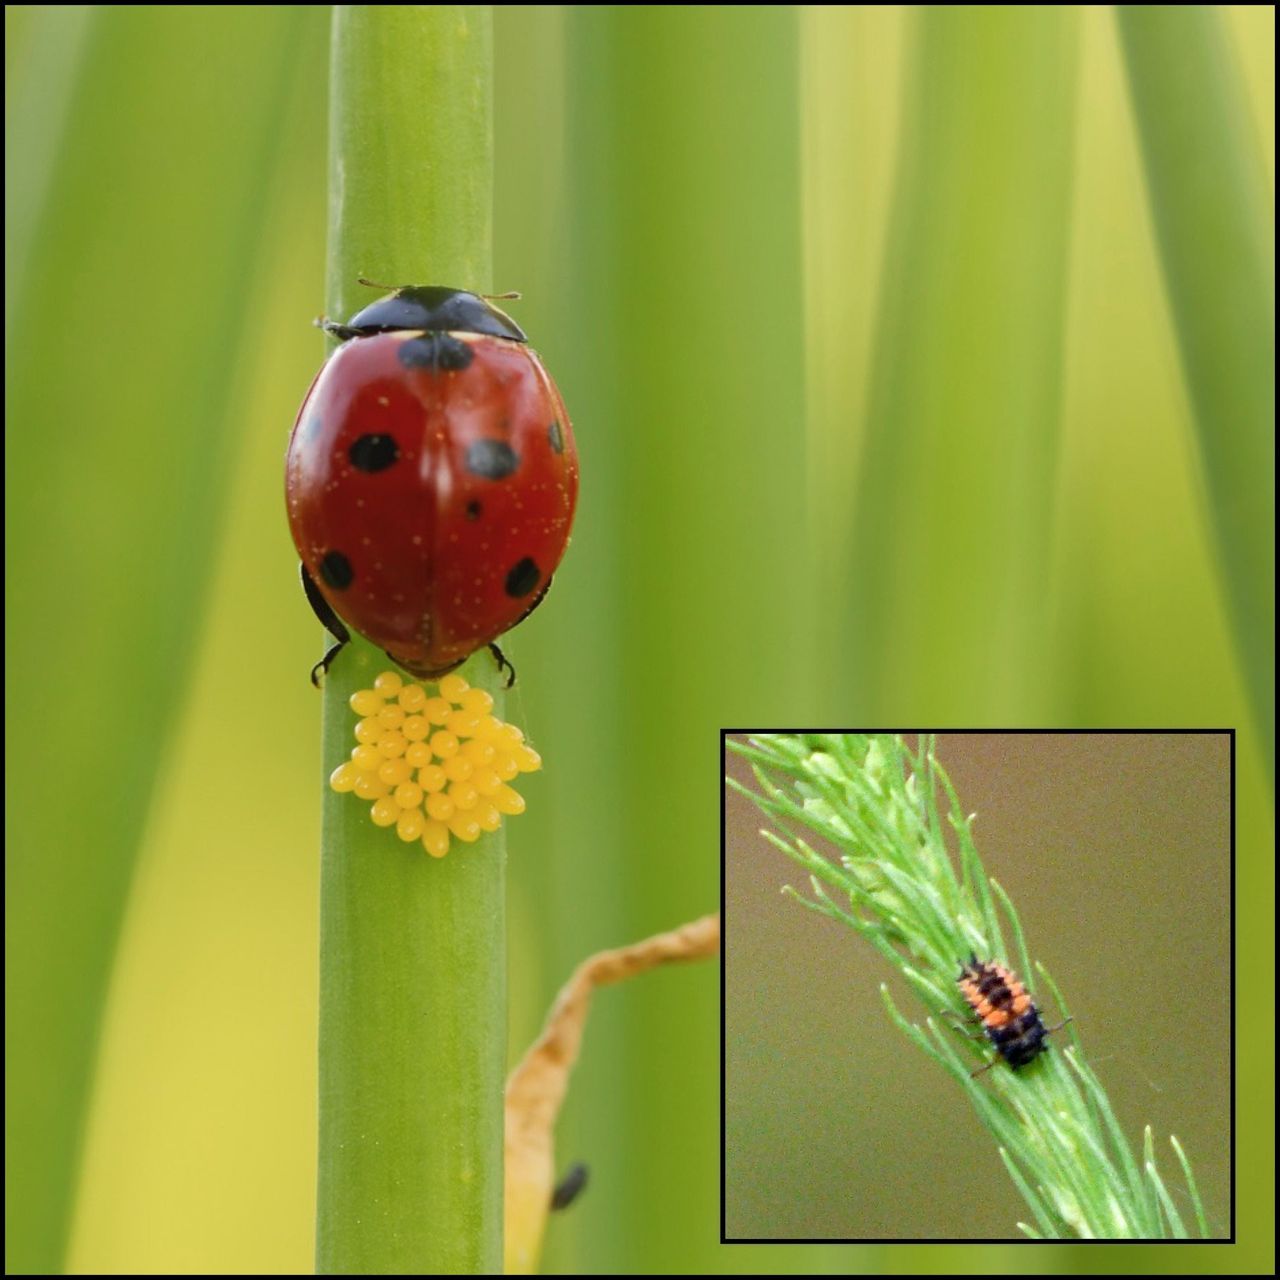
{"x": 431, "y": 479}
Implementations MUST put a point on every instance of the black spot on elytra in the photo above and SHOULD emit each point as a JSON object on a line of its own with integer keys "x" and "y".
{"x": 556, "y": 436}
{"x": 473, "y": 510}
{"x": 436, "y": 353}
{"x": 336, "y": 570}
{"x": 373, "y": 453}
{"x": 522, "y": 578}
{"x": 492, "y": 459}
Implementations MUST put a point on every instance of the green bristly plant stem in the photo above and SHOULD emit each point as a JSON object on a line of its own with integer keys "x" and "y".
{"x": 412, "y": 951}
{"x": 886, "y": 808}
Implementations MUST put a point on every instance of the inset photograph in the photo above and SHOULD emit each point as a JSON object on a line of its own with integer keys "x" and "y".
{"x": 978, "y": 986}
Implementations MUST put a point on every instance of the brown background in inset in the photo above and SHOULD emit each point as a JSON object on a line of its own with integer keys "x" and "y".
{"x": 1115, "y": 849}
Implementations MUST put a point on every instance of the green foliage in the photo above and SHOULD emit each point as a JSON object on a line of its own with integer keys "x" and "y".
{"x": 1216, "y": 231}
{"x": 662, "y": 174}
{"x": 118, "y": 441}
{"x": 965, "y": 388}
{"x": 678, "y": 325}
{"x": 896, "y": 884}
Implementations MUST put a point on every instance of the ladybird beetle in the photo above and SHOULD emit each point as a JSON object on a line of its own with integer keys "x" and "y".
{"x": 1007, "y": 1012}
{"x": 431, "y": 479}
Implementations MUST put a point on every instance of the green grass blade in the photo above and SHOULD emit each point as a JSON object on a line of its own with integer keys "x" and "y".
{"x": 44, "y": 47}
{"x": 685, "y": 378}
{"x": 1207, "y": 183}
{"x": 413, "y": 964}
{"x": 126, "y": 330}
{"x": 963, "y": 421}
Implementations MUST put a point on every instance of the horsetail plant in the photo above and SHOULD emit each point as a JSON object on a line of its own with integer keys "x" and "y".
{"x": 412, "y": 952}
{"x": 896, "y": 884}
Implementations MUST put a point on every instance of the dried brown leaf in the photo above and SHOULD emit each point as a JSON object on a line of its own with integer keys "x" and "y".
{"x": 537, "y": 1086}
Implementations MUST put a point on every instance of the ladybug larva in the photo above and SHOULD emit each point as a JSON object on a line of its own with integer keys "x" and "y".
{"x": 1007, "y": 1012}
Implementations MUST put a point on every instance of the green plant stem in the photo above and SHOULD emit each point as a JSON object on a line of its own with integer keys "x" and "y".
{"x": 412, "y": 953}
{"x": 1207, "y": 184}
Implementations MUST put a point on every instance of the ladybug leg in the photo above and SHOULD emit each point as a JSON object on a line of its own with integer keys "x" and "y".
{"x": 959, "y": 1027}
{"x": 328, "y": 620}
{"x": 321, "y": 669}
{"x": 570, "y": 1187}
{"x": 501, "y": 658}
{"x": 504, "y": 664}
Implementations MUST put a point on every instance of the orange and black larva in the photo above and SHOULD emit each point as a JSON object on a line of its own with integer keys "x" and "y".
{"x": 1007, "y": 1012}
{"x": 431, "y": 479}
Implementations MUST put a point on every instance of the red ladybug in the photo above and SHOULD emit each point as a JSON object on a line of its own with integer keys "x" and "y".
{"x": 431, "y": 479}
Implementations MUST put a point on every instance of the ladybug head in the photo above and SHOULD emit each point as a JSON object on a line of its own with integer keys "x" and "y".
{"x": 430, "y": 307}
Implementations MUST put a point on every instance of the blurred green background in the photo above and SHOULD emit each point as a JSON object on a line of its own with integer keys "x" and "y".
{"x": 862, "y": 321}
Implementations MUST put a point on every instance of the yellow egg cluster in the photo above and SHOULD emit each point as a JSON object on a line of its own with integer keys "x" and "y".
{"x": 434, "y": 768}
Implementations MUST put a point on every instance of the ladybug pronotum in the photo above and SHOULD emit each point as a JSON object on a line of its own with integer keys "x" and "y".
{"x": 1007, "y": 1012}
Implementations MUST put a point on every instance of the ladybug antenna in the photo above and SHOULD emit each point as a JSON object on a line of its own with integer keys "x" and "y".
{"x": 1060, "y": 1025}
{"x": 512, "y": 295}
{"x": 373, "y": 284}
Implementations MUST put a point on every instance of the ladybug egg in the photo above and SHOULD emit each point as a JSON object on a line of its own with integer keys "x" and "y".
{"x": 432, "y": 778}
{"x": 454, "y": 688}
{"x": 394, "y": 772}
{"x": 343, "y": 778}
{"x": 435, "y": 838}
{"x": 450, "y": 787}
{"x": 437, "y": 710}
{"x": 410, "y": 824}
{"x": 388, "y": 684}
{"x": 385, "y": 812}
{"x": 439, "y": 806}
{"x": 413, "y": 699}
{"x": 408, "y": 795}
{"x": 478, "y": 701}
{"x": 366, "y": 703}
{"x": 416, "y": 728}
{"x": 465, "y": 827}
